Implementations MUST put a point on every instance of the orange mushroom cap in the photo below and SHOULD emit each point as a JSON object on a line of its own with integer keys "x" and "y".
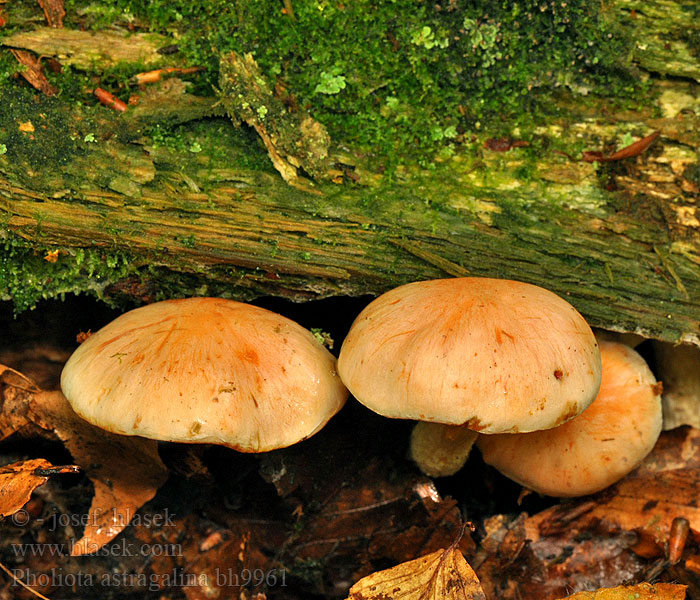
{"x": 205, "y": 370}
{"x": 492, "y": 354}
{"x": 597, "y": 448}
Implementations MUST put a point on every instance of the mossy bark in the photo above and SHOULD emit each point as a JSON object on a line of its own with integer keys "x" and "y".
{"x": 210, "y": 215}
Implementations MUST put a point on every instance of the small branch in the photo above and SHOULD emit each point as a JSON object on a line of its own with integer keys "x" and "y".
{"x": 20, "y": 582}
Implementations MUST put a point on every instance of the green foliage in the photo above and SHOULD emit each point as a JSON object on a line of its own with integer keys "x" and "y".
{"x": 330, "y": 82}
{"x": 426, "y": 37}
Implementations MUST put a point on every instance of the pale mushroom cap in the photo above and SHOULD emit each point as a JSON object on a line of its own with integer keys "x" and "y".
{"x": 205, "y": 370}
{"x": 493, "y": 354}
{"x": 597, "y": 448}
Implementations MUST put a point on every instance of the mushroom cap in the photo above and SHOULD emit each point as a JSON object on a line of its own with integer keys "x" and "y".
{"x": 597, "y": 448}
{"x": 205, "y": 370}
{"x": 493, "y": 354}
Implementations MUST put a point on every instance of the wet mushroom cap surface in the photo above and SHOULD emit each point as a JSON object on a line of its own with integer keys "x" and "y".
{"x": 597, "y": 448}
{"x": 205, "y": 370}
{"x": 495, "y": 355}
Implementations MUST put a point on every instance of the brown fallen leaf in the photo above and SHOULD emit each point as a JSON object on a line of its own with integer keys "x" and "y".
{"x": 33, "y": 72}
{"x": 357, "y": 511}
{"x": 517, "y": 560}
{"x": 643, "y": 591}
{"x": 602, "y": 539}
{"x": 41, "y": 362}
{"x": 18, "y": 481}
{"x": 54, "y": 12}
{"x": 125, "y": 471}
{"x": 634, "y": 149}
{"x": 442, "y": 575}
{"x": 13, "y": 411}
{"x": 21, "y": 583}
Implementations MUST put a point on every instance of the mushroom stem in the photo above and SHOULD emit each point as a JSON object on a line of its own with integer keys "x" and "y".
{"x": 440, "y": 450}
{"x": 679, "y": 368}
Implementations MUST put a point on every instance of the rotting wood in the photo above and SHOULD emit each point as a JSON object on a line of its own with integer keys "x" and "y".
{"x": 620, "y": 242}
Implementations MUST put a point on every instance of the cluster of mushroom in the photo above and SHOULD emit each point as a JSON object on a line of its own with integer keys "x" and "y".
{"x": 464, "y": 357}
{"x": 513, "y": 364}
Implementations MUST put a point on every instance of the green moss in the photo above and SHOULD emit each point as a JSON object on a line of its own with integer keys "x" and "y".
{"x": 308, "y": 570}
{"x": 399, "y": 77}
{"x": 222, "y": 145}
{"x": 37, "y": 134}
{"x": 29, "y": 274}
{"x": 692, "y": 173}
{"x": 33, "y": 272}
{"x": 188, "y": 241}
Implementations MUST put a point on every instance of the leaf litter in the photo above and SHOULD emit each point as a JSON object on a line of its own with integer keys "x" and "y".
{"x": 344, "y": 507}
{"x": 126, "y": 472}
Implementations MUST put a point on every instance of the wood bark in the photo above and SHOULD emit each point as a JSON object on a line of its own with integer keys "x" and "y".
{"x": 619, "y": 240}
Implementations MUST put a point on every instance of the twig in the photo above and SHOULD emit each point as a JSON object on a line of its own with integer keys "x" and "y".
{"x": 157, "y": 75}
{"x": 665, "y": 261}
{"x": 634, "y": 149}
{"x": 109, "y": 100}
{"x": 24, "y": 585}
{"x": 430, "y": 257}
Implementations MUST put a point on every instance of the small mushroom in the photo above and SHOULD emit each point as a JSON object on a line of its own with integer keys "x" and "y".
{"x": 597, "y": 448}
{"x": 205, "y": 370}
{"x": 486, "y": 355}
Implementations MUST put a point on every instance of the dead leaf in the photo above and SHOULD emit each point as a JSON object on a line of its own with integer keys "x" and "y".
{"x": 125, "y": 471}
{"x": 41, "y": 362}
{"x": 360, "y": 511}
{"x": 643, "y": 591}
{"x": 52, "y": 256}
{"x": 520, "y": 560}
{"x": 13, "y": 408}
{"x": 442, "y": 575}
{"x": 54, "y": 11}
{"x": 18, "y": 481}
{"x": 26, "y": 127}
{"x": 33, "y": 72}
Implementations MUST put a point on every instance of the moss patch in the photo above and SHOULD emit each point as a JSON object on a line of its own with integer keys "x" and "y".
{"x": 36, "y": 133}
{"x": 401, "y": 77}
{"x": 29, "y": 274}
